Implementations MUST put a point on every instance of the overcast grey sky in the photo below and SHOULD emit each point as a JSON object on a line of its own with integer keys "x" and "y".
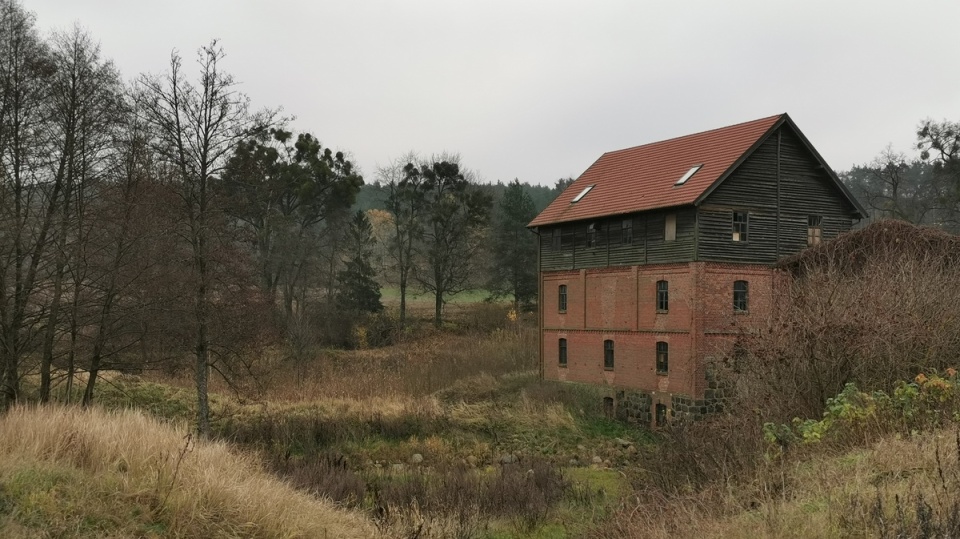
{"x": 537, "y": 90}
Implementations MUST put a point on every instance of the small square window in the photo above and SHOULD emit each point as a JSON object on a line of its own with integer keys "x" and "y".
{"x": 626, "y": 231}
{"x": 741, "y": 221}
{"x": 663, "y": 358}
{"x": 663, "y": 296}
{"x": 562, "y": 352}
{"x": 670, "y": 227}
{"x": 740, "y": 293}
{"x": 608, "y": 355}
{"x": 562, "y": 298}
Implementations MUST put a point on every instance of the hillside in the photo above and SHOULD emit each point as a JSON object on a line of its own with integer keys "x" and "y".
{"x": 67, "y": 472}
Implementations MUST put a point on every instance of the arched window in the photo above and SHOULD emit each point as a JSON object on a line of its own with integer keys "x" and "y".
{"x": 663, "y": 296}
{"x": 740, "y": 296}
{"x": 663, "y": 357}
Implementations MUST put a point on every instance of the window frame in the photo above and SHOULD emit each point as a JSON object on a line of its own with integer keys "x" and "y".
{"x": 814, "y": 230}
{"x": 562, "y": 298}
{"x": 663, "y": 296}
{"x": 741, "y": 298}
{"x": 609, "y": 359}
{"x": 590, "y": 241}
{"x": 557, "y": 239}
{"x": 626, "y": 232}
{"x": 740, "y": 230}
{"x": 670, "y": 227}
{"x": 562, "y": 357}
{"x": 663, "y": 358}
{"x": 660, "y": 419}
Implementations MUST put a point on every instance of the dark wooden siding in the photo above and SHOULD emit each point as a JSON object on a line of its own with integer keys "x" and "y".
{"x": 648, "y": 245}
{"x": 805, "y": 189}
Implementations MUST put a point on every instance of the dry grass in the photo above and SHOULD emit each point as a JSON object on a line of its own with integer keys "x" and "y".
{"x": 895, "y": 488}
{"x": 66, "y": 472}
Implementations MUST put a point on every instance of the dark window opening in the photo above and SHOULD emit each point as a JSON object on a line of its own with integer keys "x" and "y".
{"x": 661, "y": 415}
{"x": 608, "y": 355}
{"x": 557, "y": 234}
{"x": 814, "y": 229}
{"x": 562, "y": 299}
{"x": 740, "y": 296}
{"x": 591, "y": 235}
{"x": 626, "y": 231}
{"x": 563, "y": 352}
{"x": 663, "y": 296}
{"x": 741, "y": 221}
{"x": 663, "y": 358}
{"x": 608, "y": 406}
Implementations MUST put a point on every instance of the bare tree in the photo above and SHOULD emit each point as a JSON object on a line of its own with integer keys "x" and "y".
{"x": 198, "y": 127}
{"x": 28, "y": 199}
{"x": 897, "y": 188}
{"x": 405, "y": 202}
{"x": 86, "y": 104}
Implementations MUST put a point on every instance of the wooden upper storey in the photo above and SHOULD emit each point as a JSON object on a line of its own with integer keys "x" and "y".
{"x": 772, "y": 200}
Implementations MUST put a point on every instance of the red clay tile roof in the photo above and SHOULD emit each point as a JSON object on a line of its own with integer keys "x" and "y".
{"x": 642, "y": 178}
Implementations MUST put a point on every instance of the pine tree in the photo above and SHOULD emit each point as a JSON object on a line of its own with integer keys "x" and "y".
{"x": 359, "y": 292}
{"x": 514, "y": 248}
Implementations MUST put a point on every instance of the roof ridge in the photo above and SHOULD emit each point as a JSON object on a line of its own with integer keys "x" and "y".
{"x": 690, "y": 135}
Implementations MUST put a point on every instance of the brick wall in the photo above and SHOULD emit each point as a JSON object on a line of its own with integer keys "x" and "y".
{"x": 619, "y": 304}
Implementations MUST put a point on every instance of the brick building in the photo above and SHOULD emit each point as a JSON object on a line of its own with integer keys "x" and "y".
{"x": 658, "y": 256}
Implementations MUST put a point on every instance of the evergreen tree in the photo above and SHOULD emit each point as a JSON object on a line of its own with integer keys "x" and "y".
{"x": 514, "y": 248}
{"x": 358, "y": 290}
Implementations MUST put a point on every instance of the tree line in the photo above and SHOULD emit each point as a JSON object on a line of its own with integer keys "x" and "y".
{"x": 923, "y": 188}
{"x": 167, "y": 223}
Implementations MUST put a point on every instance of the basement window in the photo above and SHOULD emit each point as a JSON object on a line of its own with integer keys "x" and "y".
{"x": 661, "y": 415}
{"x": 693, "y": 170}
{"x": 582, "y": 194}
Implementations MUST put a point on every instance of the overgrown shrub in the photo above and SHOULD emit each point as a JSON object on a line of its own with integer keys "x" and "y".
{"x": 872, "y": 307}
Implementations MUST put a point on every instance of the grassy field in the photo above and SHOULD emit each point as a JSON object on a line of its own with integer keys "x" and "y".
{"x": 452, "y": 434}
{"x": 446, "y": 434}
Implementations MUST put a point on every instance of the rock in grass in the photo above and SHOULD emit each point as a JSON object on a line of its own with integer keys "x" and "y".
{"x": 417, "y": 458}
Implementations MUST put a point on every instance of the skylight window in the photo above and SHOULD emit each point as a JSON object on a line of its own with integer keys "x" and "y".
{"x": 693, "y": 170}
{"x": 582, "y": 194}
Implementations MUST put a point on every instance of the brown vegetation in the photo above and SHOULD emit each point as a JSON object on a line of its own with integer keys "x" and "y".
{"x": 89, "y": 473}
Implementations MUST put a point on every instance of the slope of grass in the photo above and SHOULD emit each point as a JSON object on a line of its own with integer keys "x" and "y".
{"x": 66, "y": 472}
{"x": 894, "y": 488}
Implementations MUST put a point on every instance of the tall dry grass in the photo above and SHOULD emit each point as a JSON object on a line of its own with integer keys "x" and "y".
{"x": 91, "y": 473}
